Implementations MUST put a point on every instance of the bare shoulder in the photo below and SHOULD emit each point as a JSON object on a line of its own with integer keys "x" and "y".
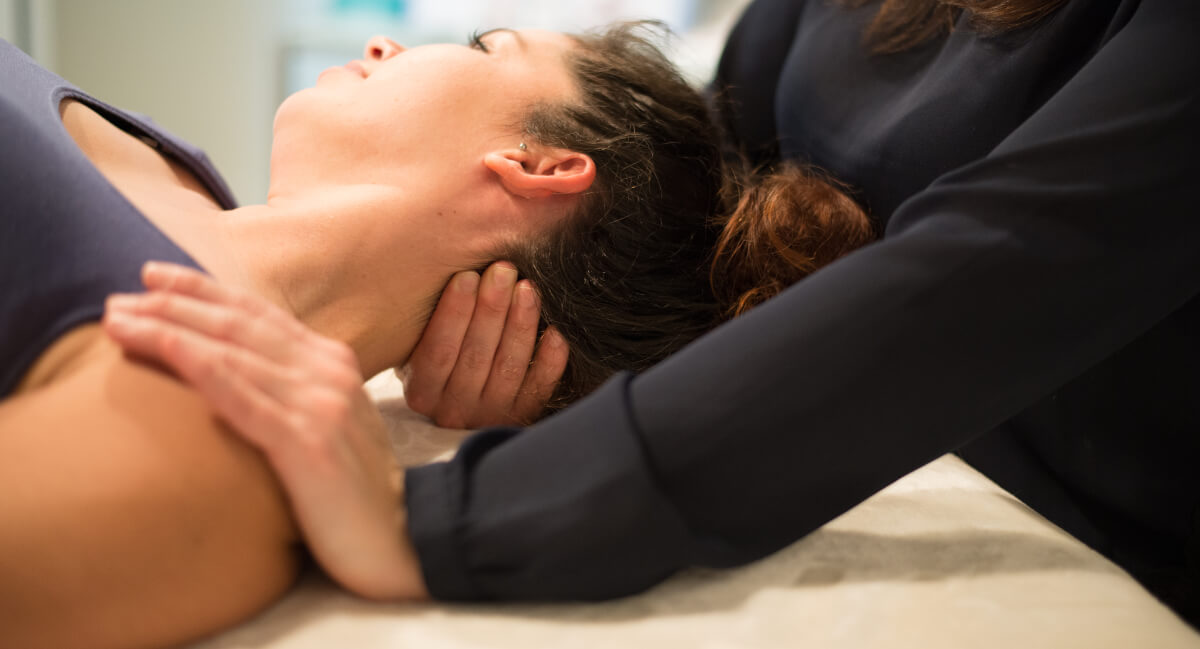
{"x": 130, "y": 516}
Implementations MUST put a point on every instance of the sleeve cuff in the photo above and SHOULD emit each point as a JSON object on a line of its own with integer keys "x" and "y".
{"x": 567, "y": 509}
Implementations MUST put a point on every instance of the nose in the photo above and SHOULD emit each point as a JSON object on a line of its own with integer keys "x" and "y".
{"x": 381, "y": 48}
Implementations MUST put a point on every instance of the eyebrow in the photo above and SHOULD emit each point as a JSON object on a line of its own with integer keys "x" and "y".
{"x": 515, "y": 35}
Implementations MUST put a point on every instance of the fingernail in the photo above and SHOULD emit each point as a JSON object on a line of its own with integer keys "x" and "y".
{"x": 466, "y": 281}
{"x": 116, "y": 321}
{"x": 121, "y": 302}
{"x": 526, "y": 298}
{"x": 504, "y": 275}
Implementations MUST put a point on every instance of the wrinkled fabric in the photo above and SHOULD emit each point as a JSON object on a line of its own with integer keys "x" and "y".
{"x": 1032, "y": 303}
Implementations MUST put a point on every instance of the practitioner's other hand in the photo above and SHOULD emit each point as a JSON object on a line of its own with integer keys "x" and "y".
{"x": 479, "y": 362}
{"x": 298, "y": 397}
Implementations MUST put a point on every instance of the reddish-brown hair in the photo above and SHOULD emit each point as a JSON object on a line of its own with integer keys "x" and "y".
{"x": 900, "y": 25}
{"x": 674, "y": 236}
{"x": 628, "y": 277}
{"x": 786, "y": 225}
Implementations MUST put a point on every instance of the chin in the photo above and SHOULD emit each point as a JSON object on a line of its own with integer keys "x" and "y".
{"x": 292, "y": 104}
{"x": 294, "y": 134}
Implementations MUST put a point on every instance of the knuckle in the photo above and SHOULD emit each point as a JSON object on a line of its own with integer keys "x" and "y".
{"x": 511, "y": 368}
{"x": 205, "y": 370}
{"x": 227, "y": 325}
{"x": 337, "y": 411}
{"x": 450, "y": 419}
{"x": 525, "y": 327}
{"x": 419, "y": 402}
{"x": 173, "y": 348}
{"x": 169, "y": 344}
{"x": 318, "y": 445}
{"x": 156, "y": 301}
{"x": 345, "y": 381}
{"x": 458, "y": 304}
{"x": 450, "y": 413}
{"x": 475, "y": 358}
{"x": 292, "y": 375}
{"x": 343, "y": 354}
{"x": 443, "y": 355}
{"x": 459, "y": 310}
{"x": 187, "y": 280}
{"x": 226, "y": 360}
{"x": 247, "y": 302}
{"x": 257, "y": 414}
{"x": 494, "y": 304}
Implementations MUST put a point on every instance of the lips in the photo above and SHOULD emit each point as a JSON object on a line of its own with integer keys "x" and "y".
{"x": 357, "y": 68}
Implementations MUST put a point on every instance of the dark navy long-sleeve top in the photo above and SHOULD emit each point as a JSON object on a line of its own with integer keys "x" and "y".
{"x": 1032, "y": 305}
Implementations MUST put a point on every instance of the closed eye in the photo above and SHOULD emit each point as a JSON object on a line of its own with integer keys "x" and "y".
{"x": 475, "y": 40}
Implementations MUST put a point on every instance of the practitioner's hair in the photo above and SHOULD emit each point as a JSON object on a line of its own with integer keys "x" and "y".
{"x": 671, "y": 238}
{"x": 900, "y": 25}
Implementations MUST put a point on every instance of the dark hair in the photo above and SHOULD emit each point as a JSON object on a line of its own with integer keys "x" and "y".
{"x": 900, "y": 25}
{"x": 629, "y": 277}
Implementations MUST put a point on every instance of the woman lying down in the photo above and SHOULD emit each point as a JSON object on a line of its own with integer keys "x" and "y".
{"x": 131, "y": 516}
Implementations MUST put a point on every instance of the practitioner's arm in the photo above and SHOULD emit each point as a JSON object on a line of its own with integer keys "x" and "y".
{"x": 476, "y": 364}
{"x": 1003, "y": 280}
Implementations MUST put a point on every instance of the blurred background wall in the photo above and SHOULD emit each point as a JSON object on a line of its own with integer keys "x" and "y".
{"x": 213, "y": 71}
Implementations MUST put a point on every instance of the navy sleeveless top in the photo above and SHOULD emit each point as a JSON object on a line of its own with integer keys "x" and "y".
{"x": 68, "y": 238}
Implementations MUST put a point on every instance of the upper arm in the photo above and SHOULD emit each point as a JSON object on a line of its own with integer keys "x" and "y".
{"x": 128, "y": 516}
{"x": 748, "y": 73}
{"x": 1118, "y": 139}
{"x": 1003, "y": 280}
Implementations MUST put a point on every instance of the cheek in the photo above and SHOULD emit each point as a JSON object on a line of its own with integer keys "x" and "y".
{"x": 442, "y": 88}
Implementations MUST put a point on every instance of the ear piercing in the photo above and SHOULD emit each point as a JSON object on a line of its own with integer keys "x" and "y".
{"x": 523, "y": 147}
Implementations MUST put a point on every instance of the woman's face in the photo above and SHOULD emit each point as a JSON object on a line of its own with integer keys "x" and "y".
{"x": 375, "y": 117}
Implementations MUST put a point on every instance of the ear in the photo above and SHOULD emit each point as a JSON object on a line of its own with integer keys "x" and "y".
{"x": 541, "y": 172}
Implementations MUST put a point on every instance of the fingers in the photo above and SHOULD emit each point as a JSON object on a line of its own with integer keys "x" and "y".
{"x": 197, "y": 302}
{"x": 478, "y": 351}
{"x": 512, "y": 357}
{"x": 433, "y": 358}
{"x": 542, "y": 377}
{"x": 475, "y": 365}
{"x": 181, "y": 280}
{"x": 213, "y": 320}
{"x": 157, "y": 275}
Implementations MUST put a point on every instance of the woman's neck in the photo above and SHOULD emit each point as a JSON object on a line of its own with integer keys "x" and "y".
{"x": 351, "y": 261}
{"x": 323, "y": 259}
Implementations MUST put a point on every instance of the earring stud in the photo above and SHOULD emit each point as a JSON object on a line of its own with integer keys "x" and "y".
{"x": 523, "y": 147}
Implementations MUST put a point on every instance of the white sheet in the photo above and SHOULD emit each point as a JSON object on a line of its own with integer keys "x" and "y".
{"x": 941, "y": 558}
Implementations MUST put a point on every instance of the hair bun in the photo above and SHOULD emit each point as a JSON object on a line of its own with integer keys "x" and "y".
{"x": 786, "y": 225}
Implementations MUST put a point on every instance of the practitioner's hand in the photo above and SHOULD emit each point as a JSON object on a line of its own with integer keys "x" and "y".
{"x": 298, "y": 397}
{"x": 476, "y": 363}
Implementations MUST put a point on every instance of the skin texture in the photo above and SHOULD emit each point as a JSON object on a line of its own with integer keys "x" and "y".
{"x": 131, "y": 517}
{"x": 298, "y": 398}
{"x": 425, "y": 179}
{"x": 123, "y": 491}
